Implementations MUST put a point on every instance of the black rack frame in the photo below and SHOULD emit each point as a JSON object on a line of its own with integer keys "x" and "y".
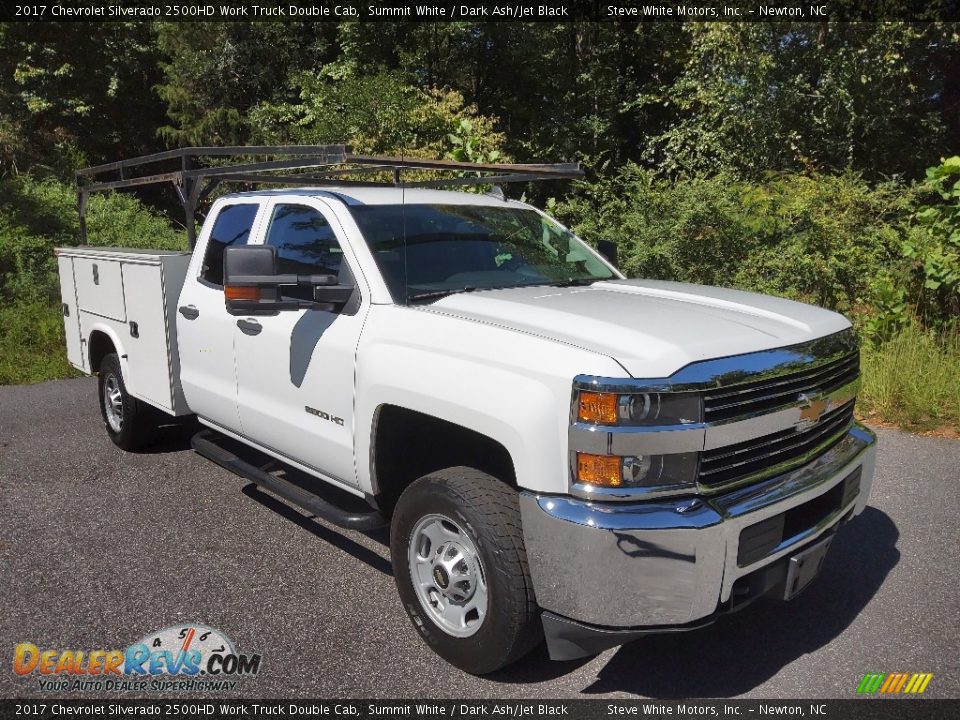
{"x": 194, "y": 181}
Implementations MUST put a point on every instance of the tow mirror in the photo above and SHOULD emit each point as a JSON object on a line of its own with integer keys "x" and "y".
{"x": 251, "y": 285}
{"x": 250, "y": 280}
{"x": 608, "y": 248}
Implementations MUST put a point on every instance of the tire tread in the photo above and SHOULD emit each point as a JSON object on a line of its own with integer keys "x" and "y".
{"x": 495, "y": 504}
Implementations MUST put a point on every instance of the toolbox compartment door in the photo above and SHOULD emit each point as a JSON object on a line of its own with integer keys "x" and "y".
{"x": 99, "y": 286}
{"x": 147, "y": 342}
{"x": 71, "y": 313}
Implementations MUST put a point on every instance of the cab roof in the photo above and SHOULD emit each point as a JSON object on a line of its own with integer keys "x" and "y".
{"x": 385, "y": 195}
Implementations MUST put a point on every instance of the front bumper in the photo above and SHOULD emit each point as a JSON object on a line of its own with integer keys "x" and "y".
{"x": 673, "y": 564}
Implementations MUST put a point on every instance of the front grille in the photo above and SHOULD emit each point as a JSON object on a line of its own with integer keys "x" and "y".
{"x": 766, "y": 395}
{"x": 778, "y": 452}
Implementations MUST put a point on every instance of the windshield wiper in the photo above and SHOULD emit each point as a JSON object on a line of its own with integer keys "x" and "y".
{"x": 572, "y": 282}
{"x": 437, "y": 294}
{"x": 569, "y": 282}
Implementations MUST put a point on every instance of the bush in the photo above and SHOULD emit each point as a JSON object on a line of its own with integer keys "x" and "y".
{"x": 31, "y": 343}
{"x": 43, "y": 215}
{"x": 934, "y": 248}
{"x": 815, "y": 238}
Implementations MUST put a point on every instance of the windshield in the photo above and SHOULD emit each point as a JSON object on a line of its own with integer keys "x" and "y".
{"x": 425, "y": 252}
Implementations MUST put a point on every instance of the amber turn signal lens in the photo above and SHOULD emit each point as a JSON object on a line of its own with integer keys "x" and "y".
{"x": 241, "y": 292}
{"x": 598, "y": 407}
{"x": 602, "y": 470}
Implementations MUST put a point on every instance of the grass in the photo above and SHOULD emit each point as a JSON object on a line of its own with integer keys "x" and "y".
{"x": 913, "y": 381}
{"x": 31, "y": 344}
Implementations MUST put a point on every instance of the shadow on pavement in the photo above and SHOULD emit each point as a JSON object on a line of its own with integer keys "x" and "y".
{"x": 537, "y": 667}
{"x": 744, "y": 650}
{"x": 333, "y": 537}
{"x": 173, "y": 435}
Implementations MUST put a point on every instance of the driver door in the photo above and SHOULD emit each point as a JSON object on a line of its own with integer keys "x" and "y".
{"x": 295, "y": 369}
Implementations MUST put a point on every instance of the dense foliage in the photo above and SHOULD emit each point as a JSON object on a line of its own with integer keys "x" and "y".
{"x": 786, "y": 158}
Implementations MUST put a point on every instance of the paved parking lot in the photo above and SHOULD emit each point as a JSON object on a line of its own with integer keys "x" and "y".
{"x": 100, "y": 547}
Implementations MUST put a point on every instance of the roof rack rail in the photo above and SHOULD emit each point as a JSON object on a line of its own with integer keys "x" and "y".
{"x": 317, "y": 165}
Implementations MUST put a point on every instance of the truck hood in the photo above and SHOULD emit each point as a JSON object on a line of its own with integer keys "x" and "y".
{"x": 652, "y": 328}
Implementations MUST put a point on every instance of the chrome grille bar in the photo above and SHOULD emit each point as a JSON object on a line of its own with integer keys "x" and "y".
{"x": 774, "y": 453}
{"x": 752, "y": 398}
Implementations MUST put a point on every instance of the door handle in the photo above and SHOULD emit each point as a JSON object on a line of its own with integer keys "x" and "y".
{"x": 190, "y": 312}
{"x": 249, "y": 327}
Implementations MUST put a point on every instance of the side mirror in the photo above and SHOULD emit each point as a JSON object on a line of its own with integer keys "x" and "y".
{"x": 608, "y": 248}
{"x": 251, "y": 285}
{"x": 250, "y": 280}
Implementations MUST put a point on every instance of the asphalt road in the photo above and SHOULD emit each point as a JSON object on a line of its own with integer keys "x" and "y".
{"x": 100, "y": 547}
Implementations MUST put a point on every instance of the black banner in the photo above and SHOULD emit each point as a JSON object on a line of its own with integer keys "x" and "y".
{"x": 485, "y": 10}
{"x": 586, "y": 709}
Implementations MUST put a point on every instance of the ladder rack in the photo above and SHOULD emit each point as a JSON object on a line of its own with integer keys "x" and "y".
{"x": 313, "y": 165}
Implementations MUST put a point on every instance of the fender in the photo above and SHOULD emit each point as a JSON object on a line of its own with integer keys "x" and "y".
{"x": 95, "y": 325}
{"x": 512, "y": 387}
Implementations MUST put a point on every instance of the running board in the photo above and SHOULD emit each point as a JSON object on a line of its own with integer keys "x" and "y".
{"x": 204, "y": 442}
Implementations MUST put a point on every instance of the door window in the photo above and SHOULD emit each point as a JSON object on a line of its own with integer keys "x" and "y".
{"x": 232, "y": 227}
{"x": 306, "y": 245}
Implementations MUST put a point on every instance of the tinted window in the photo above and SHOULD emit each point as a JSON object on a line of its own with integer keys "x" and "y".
{"x": 304, "y": 241}
{"x": 305, "y": 245}
{"x": 232, "y": 227}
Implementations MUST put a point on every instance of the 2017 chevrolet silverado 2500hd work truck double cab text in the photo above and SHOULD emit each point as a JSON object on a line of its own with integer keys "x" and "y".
{"x": 559, "y": 451}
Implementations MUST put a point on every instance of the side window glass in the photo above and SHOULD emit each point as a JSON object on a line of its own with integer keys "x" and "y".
{"x": 304, "y": 241}
{"x": 232, "y": 227}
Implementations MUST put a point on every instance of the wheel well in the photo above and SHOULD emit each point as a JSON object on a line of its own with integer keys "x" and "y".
{"x": 100, "y": 346}
{"x": 408, "y": 444}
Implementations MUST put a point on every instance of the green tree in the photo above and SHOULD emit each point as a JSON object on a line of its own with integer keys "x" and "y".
{"x": 874, "y": 97}
{"x": 76, "y": 92}
{"x": 214, "y": 73}
{"x": 374, "y": 113}
{"x": 561, "y": 91}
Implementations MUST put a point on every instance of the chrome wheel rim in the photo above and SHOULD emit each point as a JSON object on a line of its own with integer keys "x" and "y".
{"x": 113, "y": 402}
{"x": 447, "y": 575}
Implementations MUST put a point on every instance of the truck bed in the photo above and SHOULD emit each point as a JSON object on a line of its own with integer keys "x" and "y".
{"x": 130, "y": 296}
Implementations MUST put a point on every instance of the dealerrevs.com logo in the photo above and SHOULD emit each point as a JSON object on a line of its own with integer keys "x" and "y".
{"x": 189, "y": 658}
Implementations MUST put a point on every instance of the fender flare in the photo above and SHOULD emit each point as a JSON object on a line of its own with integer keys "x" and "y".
{"x": 101, "y": 327}
{"x": 474, "y": 427}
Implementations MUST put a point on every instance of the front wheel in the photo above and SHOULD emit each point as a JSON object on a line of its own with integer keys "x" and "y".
{"x": 130, "y": 423}
{"x": 461, "y": 569}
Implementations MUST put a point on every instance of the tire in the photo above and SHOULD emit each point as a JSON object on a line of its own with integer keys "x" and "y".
{"x": 130, "y": 423}
{"x": 473, "y": 521}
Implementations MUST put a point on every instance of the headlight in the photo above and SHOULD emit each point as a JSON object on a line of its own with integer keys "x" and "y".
{"x": 647, "y": 471}
{"x": 601, "y": 408}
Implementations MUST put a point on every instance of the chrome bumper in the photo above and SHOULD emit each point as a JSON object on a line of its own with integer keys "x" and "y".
{"x": 673, "y": 562}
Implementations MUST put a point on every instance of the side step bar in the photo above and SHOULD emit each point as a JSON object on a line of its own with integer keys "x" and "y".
{"x": 204, "y": 442}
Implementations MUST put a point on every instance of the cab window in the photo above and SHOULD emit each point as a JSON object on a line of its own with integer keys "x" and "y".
{"x": 232, "y": 227}
{"x": 304, "y": 241}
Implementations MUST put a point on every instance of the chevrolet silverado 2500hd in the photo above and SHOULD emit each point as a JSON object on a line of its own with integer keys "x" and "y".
{"x": 559, "y": 451}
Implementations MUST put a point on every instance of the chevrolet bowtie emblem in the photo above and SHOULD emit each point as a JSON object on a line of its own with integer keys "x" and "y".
{"x": 811, "y": 408}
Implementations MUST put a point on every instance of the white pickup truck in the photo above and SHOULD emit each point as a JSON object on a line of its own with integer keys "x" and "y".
{"x": 560, "y": 452}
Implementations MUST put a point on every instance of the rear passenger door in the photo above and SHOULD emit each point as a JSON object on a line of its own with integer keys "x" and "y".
{"x": 205, "y": 331}
{"x": 295, "y": 369}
